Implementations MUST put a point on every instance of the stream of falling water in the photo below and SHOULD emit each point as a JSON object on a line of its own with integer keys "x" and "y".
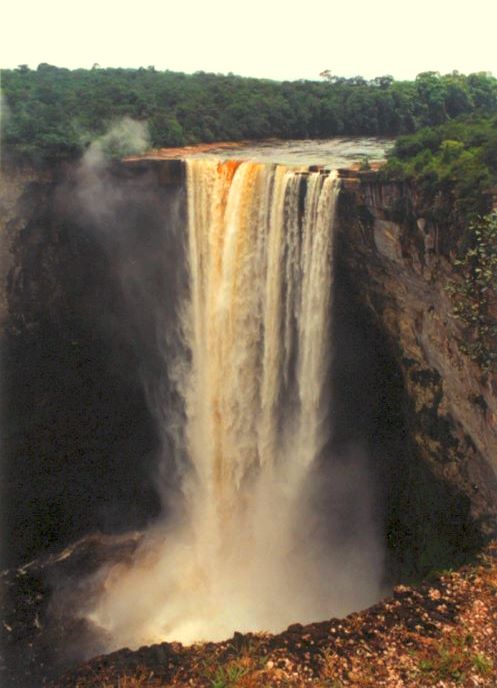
{"x": 256, "y": 329}
{"x": 260, "y": 245}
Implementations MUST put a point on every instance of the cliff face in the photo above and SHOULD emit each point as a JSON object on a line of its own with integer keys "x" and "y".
{"x": 81, "y": 259}
{"x": 400, "y": 265}
{"x": 24, "y": 193}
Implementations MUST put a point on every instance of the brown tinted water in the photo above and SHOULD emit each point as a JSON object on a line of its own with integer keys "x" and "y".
{"x": 329, "y": 153}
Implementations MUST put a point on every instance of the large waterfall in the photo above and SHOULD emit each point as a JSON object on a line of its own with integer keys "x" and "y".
{"x": 257, "y": 324}
{"x": 245, "y": 551}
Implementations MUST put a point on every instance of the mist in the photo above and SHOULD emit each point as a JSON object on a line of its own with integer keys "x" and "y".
{"x": 302, "y": 568}
{"x": 124, "y": 137}
{"x": 262, "y": 523}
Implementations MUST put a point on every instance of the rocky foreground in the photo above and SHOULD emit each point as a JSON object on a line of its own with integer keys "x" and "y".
{"x": 441, "y": 633}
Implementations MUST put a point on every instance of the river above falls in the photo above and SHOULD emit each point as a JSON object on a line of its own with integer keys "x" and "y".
{"x": 328, "y": 153}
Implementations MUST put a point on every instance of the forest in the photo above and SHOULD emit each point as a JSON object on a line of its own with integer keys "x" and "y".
{"x": 53, "y": 113}
{"x": 453, "y": 164}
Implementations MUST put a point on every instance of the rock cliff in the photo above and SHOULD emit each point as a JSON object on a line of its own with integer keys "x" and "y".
{"x": 400, "y": 264}
{"x": 79, "y": 440}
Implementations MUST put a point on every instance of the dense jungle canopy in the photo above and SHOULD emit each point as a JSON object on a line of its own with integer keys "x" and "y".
{"x": 53, "y": 113}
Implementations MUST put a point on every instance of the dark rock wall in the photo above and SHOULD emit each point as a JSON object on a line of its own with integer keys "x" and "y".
{"x": 81, "y": 266}
{"x": 398, "y": 267}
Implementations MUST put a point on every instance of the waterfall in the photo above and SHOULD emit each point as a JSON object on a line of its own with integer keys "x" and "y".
{"x": 255, "y": 330}
{"x": 260, "y": 242}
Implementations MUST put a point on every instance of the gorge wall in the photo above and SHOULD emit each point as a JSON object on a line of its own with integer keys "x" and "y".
{"x": 80, "y": 439}
{"x": 399, "y": 265}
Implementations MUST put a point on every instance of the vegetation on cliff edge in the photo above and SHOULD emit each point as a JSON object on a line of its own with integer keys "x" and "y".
{"x": 474, "y": 296}
{"x": 454, "y": 166}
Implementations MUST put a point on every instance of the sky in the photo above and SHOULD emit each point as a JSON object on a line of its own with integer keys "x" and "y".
{"x": 274, "y": 39}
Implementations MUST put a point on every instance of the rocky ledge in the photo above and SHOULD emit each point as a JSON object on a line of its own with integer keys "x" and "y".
{"x": 441, "y": 633}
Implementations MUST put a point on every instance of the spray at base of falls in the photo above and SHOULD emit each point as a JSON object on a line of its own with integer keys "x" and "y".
{"x": 247, "y": 553}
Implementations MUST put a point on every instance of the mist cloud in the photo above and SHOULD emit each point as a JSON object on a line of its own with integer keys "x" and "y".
{"x": 125, "y": 137}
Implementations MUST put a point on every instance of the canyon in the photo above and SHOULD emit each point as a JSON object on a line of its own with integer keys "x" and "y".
{"x": 87, "y": 257}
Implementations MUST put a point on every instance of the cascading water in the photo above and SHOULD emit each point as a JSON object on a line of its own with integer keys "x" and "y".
{"x": 257, "y": 326}
{"x": 246, "y": 553}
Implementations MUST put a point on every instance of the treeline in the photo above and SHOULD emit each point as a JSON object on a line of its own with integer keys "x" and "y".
{"x": 454, "y": 166}
{"x": 53, "y": 113}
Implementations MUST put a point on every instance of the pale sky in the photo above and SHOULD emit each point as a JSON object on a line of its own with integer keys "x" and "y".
{"x": 276, "y": 39}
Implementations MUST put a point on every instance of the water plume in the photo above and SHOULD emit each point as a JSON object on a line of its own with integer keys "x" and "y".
{"x": 249, "y": 549}
{"x": 125, "y": 136}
